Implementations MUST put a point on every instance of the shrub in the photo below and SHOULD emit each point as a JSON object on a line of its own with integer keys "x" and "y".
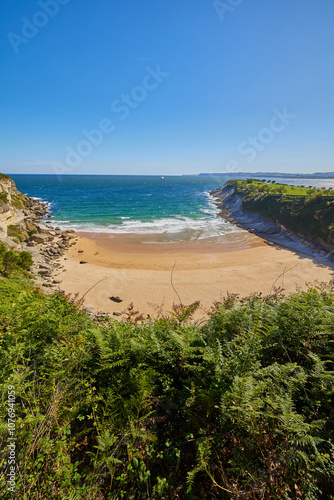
{"x": 316, "y": 196}
{"x": 24, "y": 260}
{"x": 2, "y": 248}
{"x": 11, "y": 261}
{"x": 238, "y": 408}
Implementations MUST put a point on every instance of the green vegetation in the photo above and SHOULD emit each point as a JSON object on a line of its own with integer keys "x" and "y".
{"x": 11, "y": 261}
{"x": 4, "y": 197}
{"x": 307, "y": 212}
{"x": 4, "y": 177}
{"x": 19, "y": 201}
{"x": 240, "y": 407}
{"x": 17, "y": 233}
{"x": 256, "y": 186}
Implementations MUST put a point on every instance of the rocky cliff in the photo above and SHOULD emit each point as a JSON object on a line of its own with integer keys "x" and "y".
{"x": 22, "y": 228}
{"x": 16, "y": 209}
{"x": 9, "y": 214}
{"x": 247, "y": 212}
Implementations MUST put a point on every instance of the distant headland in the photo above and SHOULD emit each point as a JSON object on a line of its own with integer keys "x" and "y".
{"x": 317, "y": 175}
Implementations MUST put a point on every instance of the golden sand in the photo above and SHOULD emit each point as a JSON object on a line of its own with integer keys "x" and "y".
{"x": 154, "y": 276}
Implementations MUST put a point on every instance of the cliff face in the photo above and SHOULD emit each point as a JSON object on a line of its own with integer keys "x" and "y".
{"x": 22, "y": 229}
{"x": 291, "y": 222}
{"x": 16, "y": 208}
{"x": 9, "y": 214}
{"x": 309, "y": 218}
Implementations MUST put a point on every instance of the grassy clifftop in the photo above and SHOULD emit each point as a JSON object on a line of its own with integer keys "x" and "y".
{"x": 240, "y": 407}
{"x": 307, "y": 212}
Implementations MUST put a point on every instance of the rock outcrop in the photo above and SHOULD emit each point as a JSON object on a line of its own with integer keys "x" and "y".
{"x": 16, "y": 209}
{"x": 230, "y": 204}
{"x": 8, "y": 213}
{"x": 22, "y": 228}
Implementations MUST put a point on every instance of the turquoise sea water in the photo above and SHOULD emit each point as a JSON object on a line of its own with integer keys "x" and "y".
{"x": 176, "y": 207}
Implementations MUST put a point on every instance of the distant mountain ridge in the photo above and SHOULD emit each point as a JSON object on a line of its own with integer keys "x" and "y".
{"x": 317, "y": 175}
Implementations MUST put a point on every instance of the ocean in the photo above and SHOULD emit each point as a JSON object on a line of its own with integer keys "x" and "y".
{"x": 173, "y": 207}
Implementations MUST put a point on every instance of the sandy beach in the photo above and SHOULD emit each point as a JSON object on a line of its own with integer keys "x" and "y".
{"x": 154, "y": 276}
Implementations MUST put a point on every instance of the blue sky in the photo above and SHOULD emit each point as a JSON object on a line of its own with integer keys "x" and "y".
{"x": 167, "y": 87}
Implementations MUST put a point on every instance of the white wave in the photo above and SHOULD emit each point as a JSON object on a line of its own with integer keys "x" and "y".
{"x": 174, "y": 228}
{"x": 209, "y": 211}
{"x": 44, "y": 202}
{"x": 212, "y": 202}
{"x": 179, "y": 228}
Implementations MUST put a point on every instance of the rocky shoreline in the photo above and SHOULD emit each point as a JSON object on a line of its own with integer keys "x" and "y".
{"x": 23, "y": 228}
{"x": 229, "y": 203}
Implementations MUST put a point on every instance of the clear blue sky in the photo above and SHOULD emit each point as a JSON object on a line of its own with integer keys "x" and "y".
{"x": 199, "y": 82}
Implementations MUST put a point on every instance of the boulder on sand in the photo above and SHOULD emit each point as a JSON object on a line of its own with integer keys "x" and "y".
{"x": 116, "y": 299}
